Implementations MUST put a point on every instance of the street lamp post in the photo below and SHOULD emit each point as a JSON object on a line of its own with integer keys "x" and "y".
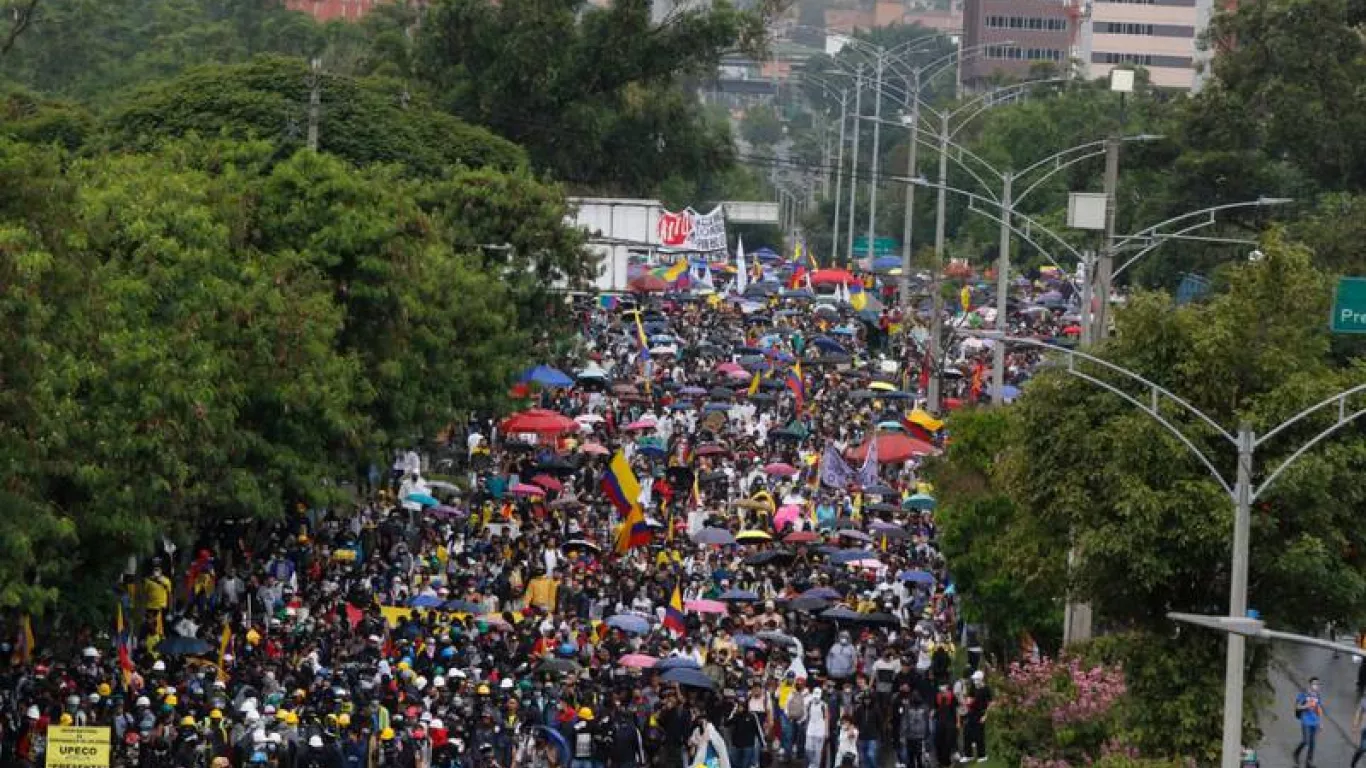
{"x": 874, "y": 161}
{"x": 1242, "y": 492}
{"x": 839, "y": 177}
{"x": 853, "y": 167}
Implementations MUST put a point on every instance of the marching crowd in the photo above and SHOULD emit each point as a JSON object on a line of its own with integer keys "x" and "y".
{"x": 709, "y": 547}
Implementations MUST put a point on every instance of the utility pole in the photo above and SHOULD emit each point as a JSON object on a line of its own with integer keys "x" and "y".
{"x": 873, "y": 162}
{"x": 839, "y": 180}
{"x": 908, "y": 218}
{"x": 1237, "y": 598}
{"x": 853, "y": 164}
{"x": 936, "y": 287}
{"x": 315, "y": 99}
{"x": 998, "y": 350}
{"x": 1105, "y": 265}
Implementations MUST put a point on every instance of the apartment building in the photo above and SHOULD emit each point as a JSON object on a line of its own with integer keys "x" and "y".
{"x": 1015, "y": 34}
{"x": 327, "y": 10}
{"x": 1158, "y": 35}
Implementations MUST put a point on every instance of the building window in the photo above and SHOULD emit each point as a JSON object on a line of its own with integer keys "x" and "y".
{"x": 1034, "y": 23}
{"x": 1124, "y": 28}
{"x": 1015, "y": 53}
{"x": 1140, "y": 59}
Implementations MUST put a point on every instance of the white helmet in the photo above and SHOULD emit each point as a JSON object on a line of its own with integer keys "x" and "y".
{"x": 33, "y": 713}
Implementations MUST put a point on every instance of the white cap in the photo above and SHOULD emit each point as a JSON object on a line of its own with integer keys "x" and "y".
{"x": 979, "y": 676}
{"x": 159, "y": 666}
{"x": 143, "y": 701}
{"x": 33, "y": 713}
{"x": 90, "y": 653}
{"x": 438, "y": 682}
{"x": 436, "y": 723}
{"x": 315, "y": 741}
{"x": 506, "y": 684}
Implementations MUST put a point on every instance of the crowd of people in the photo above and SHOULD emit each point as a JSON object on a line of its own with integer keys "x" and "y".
{"x": 768, "y": 592}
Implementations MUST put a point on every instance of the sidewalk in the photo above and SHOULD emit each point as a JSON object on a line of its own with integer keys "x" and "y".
{"x": 1290, "y": 672}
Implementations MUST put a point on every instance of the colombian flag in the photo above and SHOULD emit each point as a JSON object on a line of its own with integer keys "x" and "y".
{"x": 623, "y": 490}
{"x": 753, "y": 386}
{"x": 797, "y": 384}
{"x": 673, "y": 613}
{"x": 676, "y": 271}
{"x": 857, "y": 298}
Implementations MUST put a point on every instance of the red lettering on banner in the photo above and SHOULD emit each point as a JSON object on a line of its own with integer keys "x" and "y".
{"x": 674, "y": 228}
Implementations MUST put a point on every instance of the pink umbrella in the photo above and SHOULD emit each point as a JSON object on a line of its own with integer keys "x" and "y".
{"x": 780, "y": 469}
{"x": 594, "y": 449}
{"x": 786, "y": 515}
{"x": 639, "y": 425}
{"x": 705, "y": 606}
{"x": 637, "y": 660}
{"x": 867, "y": 562}
{"x": 731, "y": 369}
{"x": 522, "y": 489}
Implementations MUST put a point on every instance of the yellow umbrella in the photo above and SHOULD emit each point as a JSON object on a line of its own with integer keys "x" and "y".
{"x": 923, "y": 419}
{"x": 752, "y": 537}
{"x": 881, "y": 386}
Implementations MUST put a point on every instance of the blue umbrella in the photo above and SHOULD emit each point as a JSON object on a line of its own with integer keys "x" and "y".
{"x": 714, "y": 536}
{"x": 422, "y": 498}
{"x": 739, "y": 595}
{"x": 828, "y": 344}
{"x": 555, "y": 737}
{"x": 747, "y": 641}
{"x": 548, "y": 377}
{"x": 716, "y": 407}
{"x": 919, "y": 501}
{"x": 850, "y": 555}
{"x": 463, "y": 606}
{"x": 841, "y": 613}
{"x": 918, "y": 577}
{"x": 653, "y": 451}
{"x": 636, "y": 625}
{"x": 424, "y": 601}
{"x": 689, "y": 676}
{"x": 1009, "y": 393}
{"x": 823, "y": 593}
{"x": 692, "y": 391}
{"x": 676, "y": 662}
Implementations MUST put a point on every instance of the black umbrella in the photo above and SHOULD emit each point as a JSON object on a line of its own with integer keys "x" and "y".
{"x": 178, "y": 645}
{"x": 809, "y": 604}
{"x": 558, "y": 665}
{"x": 768, "y": 556}
{"x": 841, "y": 613}
{"x": 721, "y": 393}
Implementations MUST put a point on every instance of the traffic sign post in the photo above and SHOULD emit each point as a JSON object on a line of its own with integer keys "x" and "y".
{"x": 1349, "y": 306}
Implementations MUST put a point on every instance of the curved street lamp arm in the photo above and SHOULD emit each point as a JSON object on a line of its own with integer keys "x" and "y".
{"x": 1148, "y": 232}
{"x": 987, "y": 100}
{"x": 1344, "y": 419}
{"x": 1059, "y": 166}
{"x": 1158, "y": 241}
{"x": 1340, "y": 399}
{"x": 1156, "y": 392}
{"x": 1023, "y": 235}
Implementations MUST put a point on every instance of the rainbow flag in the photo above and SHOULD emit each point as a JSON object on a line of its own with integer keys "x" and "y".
{"x": 673, "y": 613}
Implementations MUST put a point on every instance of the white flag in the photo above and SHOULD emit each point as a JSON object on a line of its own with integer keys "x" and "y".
{"x": 741, "y": 276}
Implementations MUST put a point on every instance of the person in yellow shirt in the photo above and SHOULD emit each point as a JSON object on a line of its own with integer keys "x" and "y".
{"x": 541, "y": 591}
{"x": 156, "y": 591}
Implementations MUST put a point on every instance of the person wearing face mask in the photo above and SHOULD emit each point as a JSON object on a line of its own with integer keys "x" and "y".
{"x": 1309, "y": 710}
{"x": 817, "y": 728}
{"x": 841, "y": 659}
{"x": 912, "y": 721}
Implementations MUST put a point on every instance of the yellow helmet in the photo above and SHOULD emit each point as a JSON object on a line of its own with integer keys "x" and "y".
{"x": 585, "y": 713}
{"x": 104, "y": 690}
{"x": 387, "y": 734}
{"x": 187, "y": 720}
{"x": 171, "y": 700}
{"x": 343, "y": 720}
{"x": 482, "y": 690}
{"x": 216, "y": 714}
{"x": 65, "y": 719}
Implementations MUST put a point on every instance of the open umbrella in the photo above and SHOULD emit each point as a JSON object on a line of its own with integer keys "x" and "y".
{"x": 677, "y": 662}
{"x": 916, "y": 577}
{"x": 780, "y": 469}
{"x": 738, "y": 596}
{"x": 594, "y": 449}
{"x": 424, "y": 601}
{"x": 705, "y": 606}
{"x": 626, "y": 622}
{"x": 580, "y": 544}
{"x": 538, "y": 421}
{"x": 768, "y": 556}
{"x": 893, "y": 448}
{"x": 692, "y": 678}
{"x": 179, "y": 645}
{"x": 523, "y": 489}
{"x": 547, "y": 482}
{"x": 648, "y": 284}
{"x": 421, "y": 498}
{"x": 919, "y": 501}
{"x": 846, "y": 556}
{"x": 550, "y": 378}
{"x": 714, "y": 536}
{"x": 753, "y": 537}
{"x": 841, "y": 613}
{"x": 856, "y": 536}
{"x": 637, "y": 661}
{"x": 463, "y": 606}
{"x": 809, "y": 604}
{"x": 557, "y": 665}
{"x": 824, "y": 593}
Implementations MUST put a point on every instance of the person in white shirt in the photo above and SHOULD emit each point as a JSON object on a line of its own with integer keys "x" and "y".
{"x": 817, "y": 728}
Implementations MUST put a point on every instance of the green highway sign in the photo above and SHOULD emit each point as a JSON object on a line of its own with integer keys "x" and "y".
{"x": 882, "y": 246}
{"x": 1349, "y": 306}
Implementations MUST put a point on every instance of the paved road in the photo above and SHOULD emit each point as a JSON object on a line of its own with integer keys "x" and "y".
{"x": 1291, "y": 670}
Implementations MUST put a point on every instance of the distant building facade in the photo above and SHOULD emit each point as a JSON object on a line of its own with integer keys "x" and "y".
{"x": 327, "y": 10}
{"x": 1015, "y": 34}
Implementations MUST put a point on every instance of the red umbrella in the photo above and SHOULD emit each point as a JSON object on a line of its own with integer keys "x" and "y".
{"x": 538, "y": 421}
{"x": 893, "y": 448}
{"x": 1072, "y": 330}
{"x": 832, "y": 277}
{"x": 780, "y": 469}
{"x": 711, "y": 449}
{"x": 648, "y": 284}
{"x": 801, "y": 537}
{"x": 547, "y": 482}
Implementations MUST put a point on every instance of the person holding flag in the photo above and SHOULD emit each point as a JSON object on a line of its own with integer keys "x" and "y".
{"x": 673, "y": 613}
{"x": 622, "y": 489}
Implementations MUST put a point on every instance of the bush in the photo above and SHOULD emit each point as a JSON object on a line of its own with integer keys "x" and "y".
{"x": 1054, "y": 714}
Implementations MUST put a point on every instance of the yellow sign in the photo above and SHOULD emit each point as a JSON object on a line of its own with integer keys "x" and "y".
{"x": 72, "y": 747}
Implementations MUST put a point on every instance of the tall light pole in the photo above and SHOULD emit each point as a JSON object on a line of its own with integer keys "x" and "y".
{"x": 853, "y": 166}
{"x": 937, "y": 269}
{"x": 874, "y": 161}
{"x": 839, "y": 178}
{"x": 908, "y": 216}
{"x": 1242, "y": 492}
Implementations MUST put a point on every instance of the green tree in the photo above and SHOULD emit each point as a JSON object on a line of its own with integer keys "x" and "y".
{"x": 761, "y": 126}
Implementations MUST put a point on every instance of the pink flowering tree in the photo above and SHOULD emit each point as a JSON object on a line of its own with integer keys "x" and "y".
{"x": 1059, "y": 714}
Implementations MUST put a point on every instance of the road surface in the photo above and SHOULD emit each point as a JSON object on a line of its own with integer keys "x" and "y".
{"x": 1290, "y": 672}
